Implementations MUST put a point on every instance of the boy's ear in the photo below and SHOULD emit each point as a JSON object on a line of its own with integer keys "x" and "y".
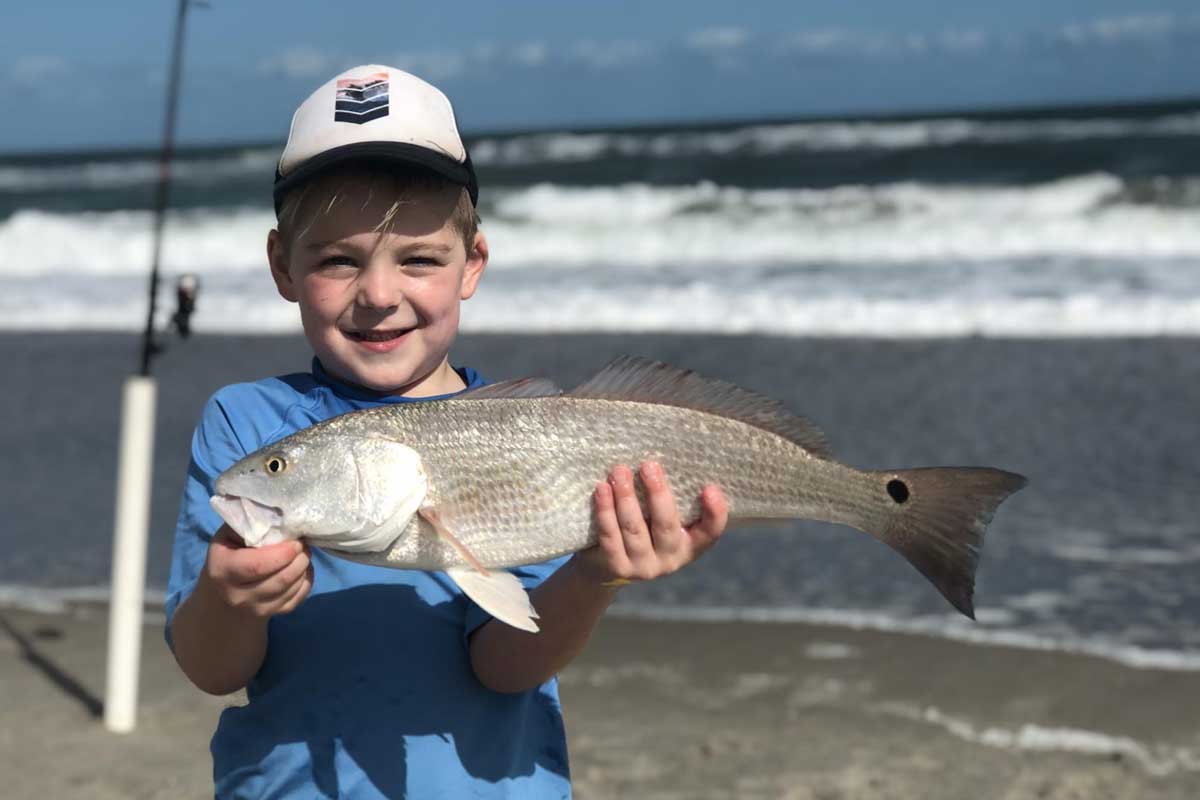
{"x": 277, "y": 258}
{"x": 477, "y": 258}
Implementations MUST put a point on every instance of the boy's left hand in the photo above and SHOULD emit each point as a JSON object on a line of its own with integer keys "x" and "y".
{"x": 630, "y": 547}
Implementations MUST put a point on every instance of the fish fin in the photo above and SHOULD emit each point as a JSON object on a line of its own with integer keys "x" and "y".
{"x": 519, "y": 388}
{"x": 937, "y": 521}
{"x": 645, "y": 381}
{"x": 498, "y": 593}
{"x": 431, "y": 515}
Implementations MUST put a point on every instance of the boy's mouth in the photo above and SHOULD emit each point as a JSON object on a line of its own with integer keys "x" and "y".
{"x": 375, "y": 336}
{"x": 378, "y": 341}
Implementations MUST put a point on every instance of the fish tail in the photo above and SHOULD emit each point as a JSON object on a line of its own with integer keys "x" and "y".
{"x": 936, "y": 517}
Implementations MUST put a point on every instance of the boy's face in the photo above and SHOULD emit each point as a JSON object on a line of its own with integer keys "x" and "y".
{"x": 380, "y": 308}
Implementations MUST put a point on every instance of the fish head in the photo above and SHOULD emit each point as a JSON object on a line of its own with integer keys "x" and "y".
{"x": 343, "y": 492}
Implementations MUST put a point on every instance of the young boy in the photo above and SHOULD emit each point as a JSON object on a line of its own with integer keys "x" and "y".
{"x": 364, "y": 681}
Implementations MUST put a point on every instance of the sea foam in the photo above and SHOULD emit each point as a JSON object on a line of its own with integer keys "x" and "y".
{"x": 940, "y": 626}
{"x": 1072, "y": 257}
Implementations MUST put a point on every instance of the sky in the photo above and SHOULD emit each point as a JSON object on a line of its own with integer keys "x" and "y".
{"x": 87, "y": 75}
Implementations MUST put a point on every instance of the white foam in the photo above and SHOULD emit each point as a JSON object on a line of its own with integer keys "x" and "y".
{"x": 250, "y": 305}
{"x": 1154, "y": 556}
{"x": 40, "y": 243}
{"x": 939, "y": 626}
{"x": 830, "y": 651}
{"x": 777, "y": 138}
{"x": 1156, "y": 759}
{"x": 698, "y": 227}
{"x": 907, "y": 223}
{"x": 1068, "y": 258}
{"x": 56, "y": 600}
{"x": 120, "y": 173}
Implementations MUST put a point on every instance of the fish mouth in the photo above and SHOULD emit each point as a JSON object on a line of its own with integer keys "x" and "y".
{"x": 258, "y": 524}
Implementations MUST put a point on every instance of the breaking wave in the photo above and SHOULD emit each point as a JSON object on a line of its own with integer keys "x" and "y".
{"x": 941, "y": 626}
{"x": 1091, "y": 255}
{"x": 94, "y": 172}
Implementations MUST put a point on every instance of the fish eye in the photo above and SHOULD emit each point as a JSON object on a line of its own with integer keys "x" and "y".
{"x": 275, "y": 465}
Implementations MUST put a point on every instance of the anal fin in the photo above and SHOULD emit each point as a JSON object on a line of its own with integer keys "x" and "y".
{"x": 498, "y": 593}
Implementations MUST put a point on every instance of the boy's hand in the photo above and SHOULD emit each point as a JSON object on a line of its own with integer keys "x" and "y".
{"x": 629, "y": 547}
{"x": 261, "y": 581}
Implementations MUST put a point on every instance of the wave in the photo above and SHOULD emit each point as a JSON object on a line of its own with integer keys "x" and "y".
{"x": 939, "y": 626}
{"x": 250, "y": 305}
{"x": 985, "y": 632}
{"x": 85, "y": 172}
{"x": 1072, "y": 257}
{"x": 1158, "y": 760}
{"x": 827, "y": 136}
{"x": 638, "y": 225}
{"x": 120, "y": 172}
{"x": 50, "y": 600}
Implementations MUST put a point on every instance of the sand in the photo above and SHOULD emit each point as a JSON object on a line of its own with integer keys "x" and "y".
{"x": 672, "y": 710}
{"x": 683, "y": 710}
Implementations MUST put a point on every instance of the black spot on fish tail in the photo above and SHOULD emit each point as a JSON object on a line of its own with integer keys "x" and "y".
{"x": 936, "y": 518}
{"x": 897, "y": 490}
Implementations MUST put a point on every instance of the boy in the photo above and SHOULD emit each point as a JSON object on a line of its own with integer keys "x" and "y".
{"x": 363, "y": 681}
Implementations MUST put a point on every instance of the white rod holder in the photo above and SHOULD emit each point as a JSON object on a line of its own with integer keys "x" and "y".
{"x": 130, "y": 527}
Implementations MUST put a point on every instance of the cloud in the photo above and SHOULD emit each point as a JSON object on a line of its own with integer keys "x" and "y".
{"x": 841, "y": 42}
{"x": 609, "y": 55}
{"x": 32, "y": 70}
{"x": 530, "y": 54}
{"x": 1112, "y": 30}
{"x": 299, "y": 62}
{"x": 433, "y": 65}
{"x": 718, "y": 40}
{"x": 838, "y": 41}
{"x": 723, "y": 47}
{"x": 963, "y": 41}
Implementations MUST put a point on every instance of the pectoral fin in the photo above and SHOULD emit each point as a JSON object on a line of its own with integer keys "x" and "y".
{"x": 431, "y": 515}
{"x": 500, "y": 594}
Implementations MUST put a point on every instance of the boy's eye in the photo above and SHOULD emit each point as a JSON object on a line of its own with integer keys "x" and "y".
{"x": 334, "y": 262}
{"x": 422, "y": 261}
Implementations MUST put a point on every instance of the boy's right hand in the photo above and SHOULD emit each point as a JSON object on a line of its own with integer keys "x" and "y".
{"x": 259, "y": 581}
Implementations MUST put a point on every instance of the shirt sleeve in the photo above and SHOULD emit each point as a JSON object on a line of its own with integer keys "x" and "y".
{"x": 531, "y": 575}
{"x": 215, "y": 446}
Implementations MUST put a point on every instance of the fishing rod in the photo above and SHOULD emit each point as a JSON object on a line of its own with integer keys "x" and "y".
{"x": 135, "y": 454}
{"x": 163, "y": 192}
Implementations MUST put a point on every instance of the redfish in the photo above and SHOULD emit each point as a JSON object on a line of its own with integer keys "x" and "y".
{"x": 503, "y": 475}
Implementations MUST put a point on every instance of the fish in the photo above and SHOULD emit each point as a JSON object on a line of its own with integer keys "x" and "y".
{"x": 503, "y": 475}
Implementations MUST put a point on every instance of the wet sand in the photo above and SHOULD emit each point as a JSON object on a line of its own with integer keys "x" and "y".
{"x": 683, "y": 710}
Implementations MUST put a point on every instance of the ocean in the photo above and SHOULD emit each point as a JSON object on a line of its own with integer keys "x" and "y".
{"x": 1019, "y": 290}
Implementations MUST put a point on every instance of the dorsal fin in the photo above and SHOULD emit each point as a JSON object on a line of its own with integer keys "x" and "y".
{"x": 646, "y": 381}
{"x": 520, "y": 387}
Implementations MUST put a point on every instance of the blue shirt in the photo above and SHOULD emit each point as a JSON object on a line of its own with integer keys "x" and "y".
{"x": 367, "y": 689}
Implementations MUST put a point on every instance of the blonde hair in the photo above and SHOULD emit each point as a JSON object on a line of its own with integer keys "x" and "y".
{"x": 464, "y": 219}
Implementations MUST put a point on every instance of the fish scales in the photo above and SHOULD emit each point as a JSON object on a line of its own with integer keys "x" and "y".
{"x": 514, "y": 478}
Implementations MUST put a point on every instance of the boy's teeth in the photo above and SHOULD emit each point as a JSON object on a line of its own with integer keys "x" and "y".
{"x": 376, "y": 336}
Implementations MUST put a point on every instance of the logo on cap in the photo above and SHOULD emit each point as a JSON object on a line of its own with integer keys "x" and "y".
{"x": 360, "y": 100}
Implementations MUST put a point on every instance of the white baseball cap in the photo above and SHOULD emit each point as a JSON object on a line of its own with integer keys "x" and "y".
{"x": 377, "y": 114}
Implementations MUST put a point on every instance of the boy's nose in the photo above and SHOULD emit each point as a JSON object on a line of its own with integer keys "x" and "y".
{"x": 379, "y": 288}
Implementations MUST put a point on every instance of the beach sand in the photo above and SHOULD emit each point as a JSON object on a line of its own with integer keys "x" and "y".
{"x": 674, "y": 710}
{"x": 683, "y": 710}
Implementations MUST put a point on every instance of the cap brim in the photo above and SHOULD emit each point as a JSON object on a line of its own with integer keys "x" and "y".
{"x": 397, "y": 153}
